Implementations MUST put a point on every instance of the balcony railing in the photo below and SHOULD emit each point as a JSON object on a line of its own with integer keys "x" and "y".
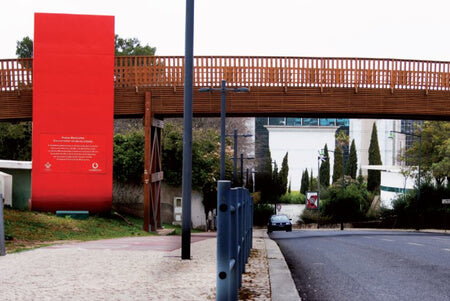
{"x": 168, "y": 71}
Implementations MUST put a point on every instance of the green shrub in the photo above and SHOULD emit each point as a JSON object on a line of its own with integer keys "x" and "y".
{"x": 311, "y": 216}
{"x": 407, "y": 210}
{"x": 344, "y": 205}
{"x": 294, "y": 197}
{"x": 128, "y": 158}
{"x": 262, "y": 213}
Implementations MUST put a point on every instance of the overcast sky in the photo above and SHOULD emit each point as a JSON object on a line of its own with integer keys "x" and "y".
{"x": 331, "y": 28}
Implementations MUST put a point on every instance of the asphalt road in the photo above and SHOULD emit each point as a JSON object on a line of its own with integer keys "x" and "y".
{"x": 367, "y": 265}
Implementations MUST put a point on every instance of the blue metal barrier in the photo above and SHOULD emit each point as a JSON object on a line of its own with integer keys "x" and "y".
{"x": 234, "y": 238}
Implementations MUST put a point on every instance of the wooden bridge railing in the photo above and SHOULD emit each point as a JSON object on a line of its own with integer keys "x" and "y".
{"x": 167, "y": 71}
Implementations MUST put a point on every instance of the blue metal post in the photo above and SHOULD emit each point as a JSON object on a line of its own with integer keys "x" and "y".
{"x": 223, "y": 110}
{"x": 2, "y": 229}
{"x": 223, "y": 241}
{"x": 187, "y": 132}
{"x": 234, "y": 246}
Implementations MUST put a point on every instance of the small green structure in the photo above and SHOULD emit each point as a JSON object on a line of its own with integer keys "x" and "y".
{"x": 21, "y": 181}
{"x": 73, "y": 214}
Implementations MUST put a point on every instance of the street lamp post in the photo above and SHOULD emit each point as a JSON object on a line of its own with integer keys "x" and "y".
{"x": 223, "y": 89}
{"x": 187, "y": 132}
{"x": 320, "y": 158}
{"x": 235, "y": 136}
{"x": 242, "y": 168}
{"x": 418, "y": 170}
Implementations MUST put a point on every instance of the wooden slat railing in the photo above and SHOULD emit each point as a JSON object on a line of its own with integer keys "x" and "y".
{"x": 16, "y": 74}
{"x": 167, "y": 71}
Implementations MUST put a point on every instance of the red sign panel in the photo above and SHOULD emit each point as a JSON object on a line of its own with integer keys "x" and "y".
{"x": 73, "y": 99}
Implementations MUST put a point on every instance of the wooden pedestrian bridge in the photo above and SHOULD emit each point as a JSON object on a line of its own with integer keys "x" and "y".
{"x": 279, "y": 86}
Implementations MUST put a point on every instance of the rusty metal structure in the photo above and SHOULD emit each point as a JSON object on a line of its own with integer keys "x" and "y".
{"x": 152, "y": 86}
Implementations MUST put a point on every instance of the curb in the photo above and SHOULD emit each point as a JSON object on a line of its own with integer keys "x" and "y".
{"x": 282, "y": 285}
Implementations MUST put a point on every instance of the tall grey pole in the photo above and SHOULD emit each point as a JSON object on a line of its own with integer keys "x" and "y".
{"x": 235, "y": 158}
{"x": 418, "y": 184}
{"x": 2, "y": 229}
{"x": 242, "y": 170}
{"x": 187, "y": 132}
{"x": 318, "y": 189}
{"x": 222, "y": 129}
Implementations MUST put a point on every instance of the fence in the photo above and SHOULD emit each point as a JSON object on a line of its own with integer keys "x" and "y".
{"x": 234, "y": 238}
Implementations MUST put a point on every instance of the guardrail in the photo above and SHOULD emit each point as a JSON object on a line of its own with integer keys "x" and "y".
{"x": 234, "y": 238}
{"x": 209, "y": 71}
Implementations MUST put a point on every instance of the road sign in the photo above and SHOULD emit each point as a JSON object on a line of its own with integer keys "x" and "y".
{"x": 312, "y": 200}
{"x": 445, "y": 201}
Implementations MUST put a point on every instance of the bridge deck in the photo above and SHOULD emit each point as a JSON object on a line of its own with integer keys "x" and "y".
{"x": 350, "y": 87}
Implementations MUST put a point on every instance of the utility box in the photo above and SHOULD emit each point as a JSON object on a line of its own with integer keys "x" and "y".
{"x": 21, "y": 181}
{"x": 6, "y": 188}
{"x": 177, "y": 210}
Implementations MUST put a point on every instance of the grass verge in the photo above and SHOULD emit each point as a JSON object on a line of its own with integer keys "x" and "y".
{"x": 26, "y": 230}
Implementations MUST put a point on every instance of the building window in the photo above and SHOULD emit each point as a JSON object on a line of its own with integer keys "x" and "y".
{"x": 277, "y": 121}
{"x": 342, "y": 122}
{"x": 327, "y": 121}
{"x": 293, "y": 121}
{"x": 310, "y": 121}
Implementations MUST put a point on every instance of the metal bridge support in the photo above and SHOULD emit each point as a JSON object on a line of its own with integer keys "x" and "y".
{"x": 153, "y": 174}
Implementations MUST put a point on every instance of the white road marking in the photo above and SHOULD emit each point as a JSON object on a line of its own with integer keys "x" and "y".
{"x": 448, "y": 250}
{"x": 415, "y": 244}
{"x": 385, "y": 239}
{"x": 438, "y": 238}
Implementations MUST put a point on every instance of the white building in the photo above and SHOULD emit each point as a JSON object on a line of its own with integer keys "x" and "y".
{"x": 302, "y": 145}
{"x": 303, "y": 141}
{"x": 395, "y": 181}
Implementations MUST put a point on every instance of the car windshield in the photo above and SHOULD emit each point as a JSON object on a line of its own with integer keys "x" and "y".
{"x": 280, "y": 218}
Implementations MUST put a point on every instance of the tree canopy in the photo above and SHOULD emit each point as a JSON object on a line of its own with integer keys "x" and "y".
{"x": 435, "y": 150}
{"x": 123, "y": 46}
{"x": 132, "y": 46}
{"x": 24, "y": 48}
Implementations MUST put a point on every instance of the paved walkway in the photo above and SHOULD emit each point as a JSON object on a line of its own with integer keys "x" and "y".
{"x": 138, "y": 268}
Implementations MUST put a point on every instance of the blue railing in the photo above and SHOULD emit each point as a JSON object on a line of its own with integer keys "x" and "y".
{"x": 234, "y": 238}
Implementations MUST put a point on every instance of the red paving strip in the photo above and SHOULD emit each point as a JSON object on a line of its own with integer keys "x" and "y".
{"x": 147, "y": 243}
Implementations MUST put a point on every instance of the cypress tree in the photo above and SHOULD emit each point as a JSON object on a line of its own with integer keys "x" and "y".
{"x": 325, "y": 169}
{"x": 304, "y": 187}
{"x": 352, "y": 162}
{"x": 264, "y": 179}
{"x": 338, "y": 163}
{"x": 283, "y": 176}
{"x": 275, "y": 181}
{"x": 360, "y": 178}
{"x": 374, "y": 176}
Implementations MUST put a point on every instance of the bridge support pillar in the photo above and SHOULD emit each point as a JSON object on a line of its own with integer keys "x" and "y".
{"x": 153, "y": 174}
